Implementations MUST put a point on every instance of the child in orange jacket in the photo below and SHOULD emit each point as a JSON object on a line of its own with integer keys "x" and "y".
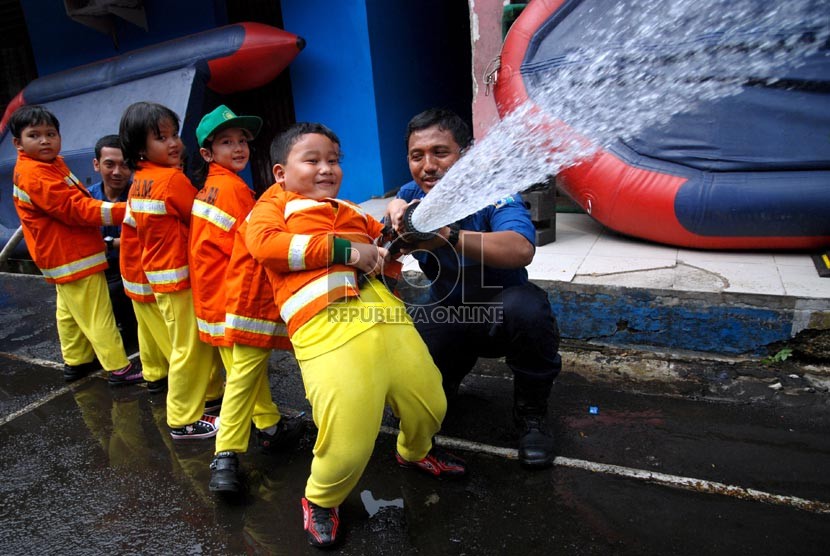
{"x": 60, "y": 221}
{"x": 357, "y": 347}
{"x": 218, "y": 211}
{"x": 160, "y": 200}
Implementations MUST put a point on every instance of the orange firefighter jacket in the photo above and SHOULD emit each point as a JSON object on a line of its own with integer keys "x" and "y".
{"x": 251, "y": 317}
{"x": 292, "y": 237}
{"x": 160, "y": 201}
{"x": 61, "y": 220}
{"x": 136, "y": 285}
{"x": 220, "y": 206}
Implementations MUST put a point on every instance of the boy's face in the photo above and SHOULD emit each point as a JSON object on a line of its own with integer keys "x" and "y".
{"x": 229, "y": 149}
{"x": 41, "y": 141}
{"x": 312, "y": 169}
{"x": 164, "y": 149}
{"x": 431, "y": 153}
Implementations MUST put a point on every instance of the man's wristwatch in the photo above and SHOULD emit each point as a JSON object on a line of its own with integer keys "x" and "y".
{"x": 109, "y": 242}
{"x": 455, "y": 228}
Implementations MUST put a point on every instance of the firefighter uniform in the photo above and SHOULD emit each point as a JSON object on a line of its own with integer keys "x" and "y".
{"x": 60, "y": 221}
{"x": 218, "y": 211}
{"x": 357, "y": 348}
{"x": 161, "y": 199}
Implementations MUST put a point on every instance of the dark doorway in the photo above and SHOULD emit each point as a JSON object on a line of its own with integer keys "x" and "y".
{"x": 17, "y": 63}
{"x": 272, "y": 102}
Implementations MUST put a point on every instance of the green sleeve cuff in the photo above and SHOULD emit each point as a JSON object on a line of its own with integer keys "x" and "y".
{"x": 341, "y": 251}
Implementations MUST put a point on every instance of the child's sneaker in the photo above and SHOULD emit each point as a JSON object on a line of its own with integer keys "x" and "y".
{"x": 437, "y": 463}
{"x": 206, "y": 427}
{"x": 320, "y": 524}
{"x": 130, "y": 374}
{"x": 157, "y": 386}
{"x": 75, "y": 372}
{"x": 289, "y": 430}
{"x": 224, "y": 473}
{"x": 212, "y": 407}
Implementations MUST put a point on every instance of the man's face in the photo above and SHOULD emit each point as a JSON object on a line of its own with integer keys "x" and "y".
{"x": 432, "y": 151}
{"x": 114, "y": 171}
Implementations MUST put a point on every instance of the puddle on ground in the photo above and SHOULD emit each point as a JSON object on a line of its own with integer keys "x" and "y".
{"x": 374, "y": 505}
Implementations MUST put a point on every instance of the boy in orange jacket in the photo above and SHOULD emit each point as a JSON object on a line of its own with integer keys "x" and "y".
{"x": 61, "y": 223}
{"x": 357, "y": 347}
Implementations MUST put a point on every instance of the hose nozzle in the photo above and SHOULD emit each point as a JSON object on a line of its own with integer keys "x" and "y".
{"x": 408, "y": 231}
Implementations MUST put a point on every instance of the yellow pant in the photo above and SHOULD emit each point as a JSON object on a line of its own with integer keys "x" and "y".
{"x": 216, "y": 382}
{"x": 192, "y": 362}
{"x": 86, "y": 325}
{"x": 348, "y": 388}
{"x": 247, "y": 397}
{"x": 153, "y": 341}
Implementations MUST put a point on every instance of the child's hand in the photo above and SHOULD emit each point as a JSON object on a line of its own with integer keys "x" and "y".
{"x": 367, "y": 257}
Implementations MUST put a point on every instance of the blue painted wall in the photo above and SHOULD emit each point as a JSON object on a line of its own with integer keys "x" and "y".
{"x": 332, "y": 84}
{"x": 59, "y": 43}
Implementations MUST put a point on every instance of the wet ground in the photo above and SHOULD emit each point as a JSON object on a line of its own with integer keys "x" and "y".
{"x": 88, "y": 469}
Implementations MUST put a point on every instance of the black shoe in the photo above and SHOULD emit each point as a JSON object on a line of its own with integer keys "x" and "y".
{"x": 536, "y": 442}
{"x": 224, "y": 473}
{"x": 131, "y": 374}
{"x": 288, "y": 432}
{"x": 157, "y": 386}
{"x": 321, "y": 524}
{"x": 75, "y": 372}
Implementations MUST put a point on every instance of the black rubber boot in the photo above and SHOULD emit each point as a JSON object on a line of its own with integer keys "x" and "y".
{"x": 536, "y": 443}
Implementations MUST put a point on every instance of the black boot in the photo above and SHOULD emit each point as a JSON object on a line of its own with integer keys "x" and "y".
{"x": 224, "y": 474}
{"x": 530, "y": 410}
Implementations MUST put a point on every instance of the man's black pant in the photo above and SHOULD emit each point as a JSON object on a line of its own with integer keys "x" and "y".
{"x": 526, "y": 335}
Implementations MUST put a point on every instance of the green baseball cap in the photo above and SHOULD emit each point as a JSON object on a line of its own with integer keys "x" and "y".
{"x": 221, "y": 118}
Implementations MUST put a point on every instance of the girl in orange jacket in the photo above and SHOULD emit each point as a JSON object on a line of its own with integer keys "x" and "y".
{"x": 60, "y": 221}
{"x": 160, "y": 200}
{"x": 218, "y": 210}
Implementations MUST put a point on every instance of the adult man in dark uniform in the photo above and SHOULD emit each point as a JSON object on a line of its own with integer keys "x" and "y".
{"x": 475, "y": 265}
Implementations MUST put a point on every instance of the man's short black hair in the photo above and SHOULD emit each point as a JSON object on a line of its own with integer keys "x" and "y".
{"x": 108, "y": 141}
{"x": 444, "y": 119}
{"x": 283, "y": 142}
{"x": 31, "y": 115}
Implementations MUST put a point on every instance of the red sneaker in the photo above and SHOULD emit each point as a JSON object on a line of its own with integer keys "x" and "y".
{"x": 321, "y": 524}
{"x": 437, "y": 463}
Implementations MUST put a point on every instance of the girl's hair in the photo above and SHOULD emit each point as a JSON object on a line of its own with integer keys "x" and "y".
{"x": 31, "y": 115}
{"x": 283, "y": 142}
{"x": 138, "y": 120}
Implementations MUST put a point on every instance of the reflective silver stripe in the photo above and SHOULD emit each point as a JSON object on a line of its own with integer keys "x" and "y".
{"x": 357, "y": 208}
{"x": 21, "y": 195}
{"x": 311, "y": 291}
{"x": 296, "y": 251}
{"x": 75, "y": 266}
{"x": 137, "y": 288}
{"x": 158, "y": 277}
{"x": 148, "y": 206}
{"x": 257, "y": 326}
{"x": 300, "y": 204}
{"x": 106, "y": 213}
{"x": 213, "y": 215}
{"x": 73, "y": 179}
{"x": 216, "y": 329}
{"x": 128, "y": 217}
